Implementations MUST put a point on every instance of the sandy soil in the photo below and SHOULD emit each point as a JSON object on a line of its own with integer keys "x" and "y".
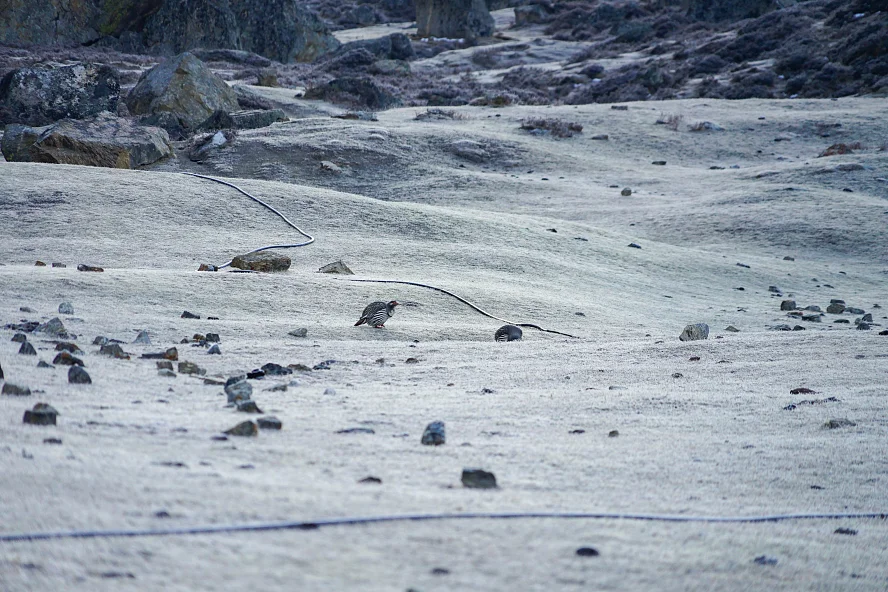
{"x": 137, "y": 448}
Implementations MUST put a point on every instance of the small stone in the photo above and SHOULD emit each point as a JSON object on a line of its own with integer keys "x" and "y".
{"x": 846, "y": 531}
{"x": 115, "y": 351}
{"x": 68, "y": 347}
{"x": 189, "y": 315}
{"x": 433, "y": 434}
{"x": 411, "y": 361}
{"x": 336, "y": 267}
{"x": 835, "y": 308}
{"x": 811, "y": 318}
{"x": 742, "y": 265}
{"x": 83, "y": 267}
{"x": 695, "y": 332}
{"x": 191, "y": 368}
{"x": 813, "y": 308}
{"x": 613, "y": 433}
{"x": 842, "y": 321}
{"x": 798, "y": 328}
{"x": 371, "y": 480}
{"x": 271, "y": 369}
{"x": 57, "y": 264}
{"x": 836, "y": 301}
{"x": 99, "y": 340}
{"x": 788, "y": 258}
{"x": 19, "y": 338}
{"x": 356, "y": 431}
{"x": 774, "y": 289}
{"x": 143, "y": 337}
{"x": 325, "y": 365}
{"x": 248, "y": 406}
{"x": 66, "y": 359}
{"x": 765, "y": 560}
{"x": 264, "y": 261}
{"x": 835, "y": 424}
{"x": 238, "y": 389}
{"x": 626, "y": 192}
{"x": 587, "y": 552}
{"x": 214, "y": 350}
{"x": 478, "y": 479}
{"x": 77, "y": 375}
{"x": 213, "y": 338}
{"x": 269, "y": 423}
{"x": 867, "y": 318}
{"x": 301, "y": 332}
{"x": 780, "y": 328}
{"x": 15, "y": 390}
{"x": 280, "y": 388}
{"x": 53, "y": 326}
{"x": 329, "y": 391}
{"x": 677, "y": 375}
{"x": 635, "y": 245}
{"x": 255, "y": 374}
{"x": 245, "y": 428}
{"x": 849, "y": 310}
{"x": 52, "y": 440}
{"x": 732, "y": 329}
{"x": 66, "y": 308}
{"x": 27, "y": 349}
{"x": 508, "y": 333}
{"x": 861, "y": 326}
{"x": 298, "y": 367}
{"x": 169, "y": 354}
{"x": 166, "y": 373}
{"x": 39, "y": 264}
{"x": 41, "y": 414}
{"x": 885, "y": 332}
{"x": 42, "y": 364}
{"x": 600, "y": 137}
{"x": 788, "y": 305}
{"x": 659, "y": 162}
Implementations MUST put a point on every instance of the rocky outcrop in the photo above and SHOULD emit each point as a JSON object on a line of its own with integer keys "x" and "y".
{"x": 281, "y": 30}
{"x": 454, "y": 19}
{"x": 103, "y": 141}
{"x": 179, "y": 95}
{"x": 44, "y": 93}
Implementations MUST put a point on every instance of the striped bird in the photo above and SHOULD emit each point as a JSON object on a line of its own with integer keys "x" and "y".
{"x": 377, "y": 313}
{"x": 508, "y": 333}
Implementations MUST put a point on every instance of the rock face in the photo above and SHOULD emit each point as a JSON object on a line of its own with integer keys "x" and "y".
{"x": 281, "y": 30}
{"x": 103, "y": 141}
{"x": 454, "y": 19}
{"x": 262, "y": 261}
{"x": 180, "y": 94}
{"x": 44, "y": 93}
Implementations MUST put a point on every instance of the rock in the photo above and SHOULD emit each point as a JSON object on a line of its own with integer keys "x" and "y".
{"x": 66, "y": 308}
{"x": 189, "y": 315}
{"x": 478, "y": 479}
{"x": 835, "y": 424}
{"x": 371, "y": 479}
{"x": 390, "y": 68}
{"x": 301, "y": 332}
{"x": 166, "y": 372}
{"x": 774, "y": 289}
{"x": 77, "y": 375}
{"x": 861, "y": 326}
{"x": 41, "y": 414}
{"x": 66, "y": 359}
{"x": 238, "y": 389}
{"x": 695, "y": 332}
{"x": 103, "y": 141}
{"x": 266, "y": 261}
{"x": 255, "y": 374}
{"x": 19, "y": 338}
{"x": 454, "y": 19}
{"x": 272, "y": 369}
{"x": 245, "y": 428}
{"x": 835, "y": 308}
{"x": 587, "y": 552}
{"x": 356, "y": 431}
{"x": 298, "y": 367}
{"x": 600, "y": 137}
{"x": 765, "y": 560}
{"x": 325, "y": 365}
{"x": 15, "y": 390}
{"x": 867, "y": 318}
{"x": 845, "y": 531}
{"x": 213, "y": 338}
{"x": 269, "y": 423}
{"x": 663, "y": 163}
{"x": 114, "y": 350}
{"x": 788, "y": 305}
{"x": 83, "y": 267}
{"x": 214, "y": 350}
{"x": 811, "y": 318}
{"x": 813, "y": 308}
{"x": 267, "y": 77}
{"x": 854, "y": 311}
{"x": 531, "y": 14}
{"x": 45, "y": 93}
{"x": 170, "y": 353}
{"x": 243, "y": 119}
{"x": 329, "y": 391}
{"x": 613, "y": 434}
{"x": 184, "y": 89}
{"x": 16, "y": 144}
{"x": 798, "y": 328}
{"x": 361, "y": 92}
{"x": 53, "y": 327}
{"x": 780, "y": 328}
{"x": 336, "y": 267}
{"x": 626, "y": 192}
{"x": 1, "y": 372}
{"x": 395, "y": 47}
{"x": 39, "y": 263}
{"x": 732, "y": 329}
{"x": 27, "y": 349}
{"x": 508, "y": 333}
{"x": 143, "y": 338}
{"x": 191, "y": 368}
{"x": 433, "y": 434}
{"x": 248, "y": 406}
{"x": 885, "y": 332}
{"x": 634, "y": 245}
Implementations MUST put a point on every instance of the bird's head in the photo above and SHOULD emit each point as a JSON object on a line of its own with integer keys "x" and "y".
{"x": 393, "y": 304}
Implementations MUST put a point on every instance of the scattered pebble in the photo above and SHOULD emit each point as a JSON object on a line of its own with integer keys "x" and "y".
{"x": 577, "y": 432}
{"x": 100, "y": 341}
{"x": 245, "y": 428}
{"x": 39, "y": 264}
{"x": 508, "y": 333}
{"x": 66, "y": 359}
{"x": 275, "y": 370}
{"x": 269, "y": 423}
{"x": 325, "y": 365}
{"x": 255, "y": 373}
{"x": 849, "y": 310}
{"x": 371, "y": 479}
{"x": 433, "y": 434}
{"x": 68, "y": 347}
{"x": 677, "y": 375}
{"x": 83, "y": 267}
{"x": 301, "y": 332}
{"x": 143, "y": 337}
{"x": 835, "y": 424}
{"x": 635, "y": 245}
{"x": 732, "y": 329}
{"x": 659, "y": 162}
{"x": 171, "y": 354}
{"x": 57, "y": 264}
{"x": 214, "y": 350}
{"x": 27, "y": 349}
{"x": 626, "y": 192}
{"x": 77, "y": 375}
{"x": 789, "y": 258}
{"x": 811, "y": 318}
{"x": 42, "y": 364}
{"x": 411, "y": 361}
{"x": 238, "y": 389}
{"x": 191, "y": 368}
{"x": 743, "y": 265}
{"x": 478, "y": 479}
{"x": 613, "y": 433}
{"x": 66, "y": 308}
{"x": 440, "y": 571}
{"x": 788, "y": 305}
{"x": 52, "y": 440}
{"x": 587, "y": 552}
{"x": 695, "y": 332}
{"x": 15, "y": 390}
{"x": 41, "y": 414}
{"x": 338, "y": 267}
{"x": 114, "y": 350}
{"x": 774, "y": 289}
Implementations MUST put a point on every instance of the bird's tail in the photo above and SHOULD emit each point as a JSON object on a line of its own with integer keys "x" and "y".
{"x": 360, "y": 322}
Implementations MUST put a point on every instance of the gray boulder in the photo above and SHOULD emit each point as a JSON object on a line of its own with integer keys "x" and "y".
{"x": 396, "y": 46}
{"x": 695, "y": 332}
{"x": 17, "y": 141}
{"x": 454, "y": 19}
{"x": 45, "y": 93}
{"x": 103, "y": 141}
{"x": 179, "y": 95}
{"x": 242, "y": 120}
{"x": 359, "y": 92}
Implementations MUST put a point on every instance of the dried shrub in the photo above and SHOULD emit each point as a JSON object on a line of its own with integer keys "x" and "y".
{"x": 837, "y": 149}
{"x": 436, "y": 114}
{"x": 553, "y": 126}
{"x": 671, "y": 121}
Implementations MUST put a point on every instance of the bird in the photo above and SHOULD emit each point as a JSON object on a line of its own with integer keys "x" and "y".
{"x": 377, "y": 313}
{"x": 508, "y": 333}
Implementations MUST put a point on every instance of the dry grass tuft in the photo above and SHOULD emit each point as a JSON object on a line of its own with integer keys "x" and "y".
{"x": 556, "y": 127}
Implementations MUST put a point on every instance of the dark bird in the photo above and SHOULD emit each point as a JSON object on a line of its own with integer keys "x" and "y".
{"x": 508, "y": 333}
{"x": 377, "y": 313}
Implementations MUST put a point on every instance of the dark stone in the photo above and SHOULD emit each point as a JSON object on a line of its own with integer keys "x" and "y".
{"x": 214, "y": 350}
{"x": 266, "y": 261}
{"x": 272, "y": 369}
{"x": 434, "y": 434}
{"x": 15, "y": 390}
{"x": 454, "y": 19}
{"x": 396, "y": 46}
{"x": 861, "y": 326}
{"x": 19, "y": 338}
{"x": 245, "y": 428}
{"x": 99, "y": 340}
{"x": 811, "y": 318}
{"x": 835, "y": 424}
{"x": 243, "y": 120}
{"x": 165, "y": 365}
{"x": 356, "y": 431}
{"x": 42, "y": 364}
{"x": 238, "y": 389}
{"x": 694, "y": 332}
{"x": 83, "y": 267}
{"x": 53, "y": 326}
{"x": 66, "y": 359}
{"x": 765, "y": 560}
{"x": 371, "y": 480}
{"x": 68, "y": 347}
{"x": 114, "y": 350}
{"x": 248, "y": 406}
{"x": 41, "y": 414}
{"x": 170, "y": 353}
{"x": 77, "y": 375}
{"x": 508, "y": 333}
{"x": 788, "y": 305}
{"x": 189, "y": 315}
{"x": 587, "y": 552}
{"x": 17, "y": 141}
{"x": 190, "y": 368}
{"x": 143, "y": 338}
{"x": 301, "y": 332}
{"x": 362, "y": 92}
{"x": 635, "y": 245}
{"x": 855, "y": 311}
{"x": 213, "y": 338}
{"x": 325, "y": 365}
{"x": 337, "y": 267}
{"x": 45, "y": 93}
{"x": 27, "y": 349}
{"x": 846, "y": 531}
{"x": 613, "y": 433}
{"x": 835, "y": 308}
{"x": 478, "y": 479}
{"x": 255, "y": 373}
{"x": 52, "y": 440}
{"x": 269, "y": 423}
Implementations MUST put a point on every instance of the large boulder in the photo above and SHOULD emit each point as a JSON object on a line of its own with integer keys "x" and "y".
{"x": 104, "y": 141}
{"x": 180, "y": 94}
{"x": 44, "y": 93}
{"x": 460, "y": 19}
